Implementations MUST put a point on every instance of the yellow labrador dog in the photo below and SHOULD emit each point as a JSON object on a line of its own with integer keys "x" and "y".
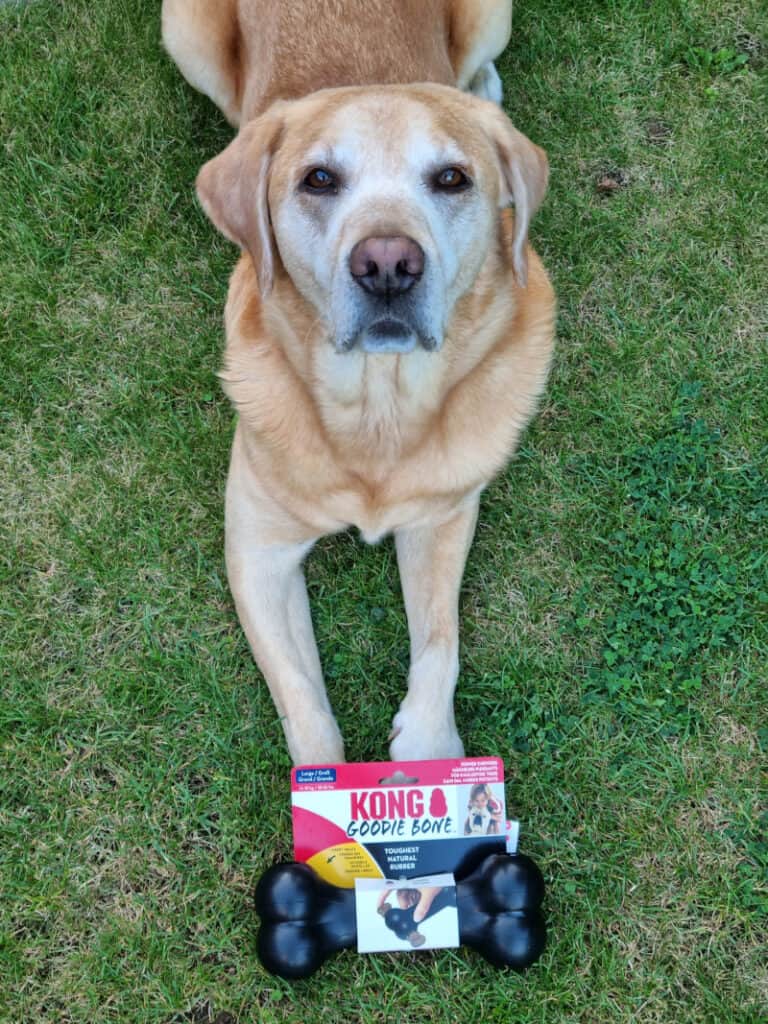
{"x": 389, "y": 329}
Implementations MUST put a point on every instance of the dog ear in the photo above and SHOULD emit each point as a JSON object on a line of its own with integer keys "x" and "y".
{"x": 524, "y": 172}
{"x": 232, "y": 189}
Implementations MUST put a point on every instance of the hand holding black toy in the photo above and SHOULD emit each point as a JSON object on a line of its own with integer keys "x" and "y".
{"x": 304, "y": 920}
{"x": 400, "y": 920}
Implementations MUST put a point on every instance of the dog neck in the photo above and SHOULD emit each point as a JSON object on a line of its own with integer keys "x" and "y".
{"x": 377, "y": 405}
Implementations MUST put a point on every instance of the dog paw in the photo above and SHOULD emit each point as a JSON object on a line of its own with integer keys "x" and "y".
{"x": 416, "y": 738}
{"x": 487, "y": 84}
{"x": 315, "y": 742}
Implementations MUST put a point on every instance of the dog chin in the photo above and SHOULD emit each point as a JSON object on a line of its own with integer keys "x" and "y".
{"x": 390, "y": 335}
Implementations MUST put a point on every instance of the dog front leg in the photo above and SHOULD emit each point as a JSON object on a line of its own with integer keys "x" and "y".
{"x": 267, "y": 583}
{"x": 431, "y": 560}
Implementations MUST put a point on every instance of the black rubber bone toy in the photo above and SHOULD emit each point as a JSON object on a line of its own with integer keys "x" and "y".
{"x": 304, "y": 920}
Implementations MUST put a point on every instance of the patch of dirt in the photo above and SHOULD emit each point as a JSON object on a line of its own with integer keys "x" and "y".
{"x": 658, "y": 132}
{"x": 751, "y": 45}
{"x": 202, "y": 1013}
{"x": 611, "y": 181}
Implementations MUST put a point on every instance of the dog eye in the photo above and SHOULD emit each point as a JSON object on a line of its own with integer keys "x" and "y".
{"x": 451, "y": 179}
{"x": 320, "y": 179}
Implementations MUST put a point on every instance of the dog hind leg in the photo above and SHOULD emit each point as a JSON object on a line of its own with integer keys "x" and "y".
{"x": 203, "y": 38}
{"x": 480, "y": 29}
{"x": 487, "y": 84}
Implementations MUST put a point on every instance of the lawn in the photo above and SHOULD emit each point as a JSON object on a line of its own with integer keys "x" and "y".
{"x": 615, "y": 607}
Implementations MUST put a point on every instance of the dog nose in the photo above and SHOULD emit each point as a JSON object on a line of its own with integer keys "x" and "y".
{"x": 387, "y": 266}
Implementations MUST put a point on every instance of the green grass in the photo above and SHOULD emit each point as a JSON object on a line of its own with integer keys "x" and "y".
{"x": 614, "y": 617}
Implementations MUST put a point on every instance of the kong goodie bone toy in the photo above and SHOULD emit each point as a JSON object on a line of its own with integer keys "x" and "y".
{"x": 304, "y": 920}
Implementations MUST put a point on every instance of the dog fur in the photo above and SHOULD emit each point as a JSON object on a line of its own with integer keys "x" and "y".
{"x": 340, "y": 425}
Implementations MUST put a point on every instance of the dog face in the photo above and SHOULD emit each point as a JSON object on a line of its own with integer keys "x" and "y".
{"x": 382, "y": 204}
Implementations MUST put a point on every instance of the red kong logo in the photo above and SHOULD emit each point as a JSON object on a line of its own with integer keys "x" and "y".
{"x": 389, "y": 803}
{"x": 438, "y": 808}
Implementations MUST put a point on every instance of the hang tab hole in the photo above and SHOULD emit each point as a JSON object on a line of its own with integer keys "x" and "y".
{"x": 399, "y": 779}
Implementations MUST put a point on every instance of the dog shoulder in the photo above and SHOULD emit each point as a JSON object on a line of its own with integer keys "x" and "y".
{"x": 258, "y": 376}
{"x": 491, "y": 402}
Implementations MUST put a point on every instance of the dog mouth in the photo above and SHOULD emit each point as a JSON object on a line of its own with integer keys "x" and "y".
{"x": 389, "y": 334}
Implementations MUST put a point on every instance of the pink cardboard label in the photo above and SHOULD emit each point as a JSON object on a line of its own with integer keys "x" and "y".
{"x": 366, "y": 774}
{"x": 397, "y": 820}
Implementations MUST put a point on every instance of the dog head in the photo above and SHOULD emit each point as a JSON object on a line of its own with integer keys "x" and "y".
{"x": 382, "y": 204}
